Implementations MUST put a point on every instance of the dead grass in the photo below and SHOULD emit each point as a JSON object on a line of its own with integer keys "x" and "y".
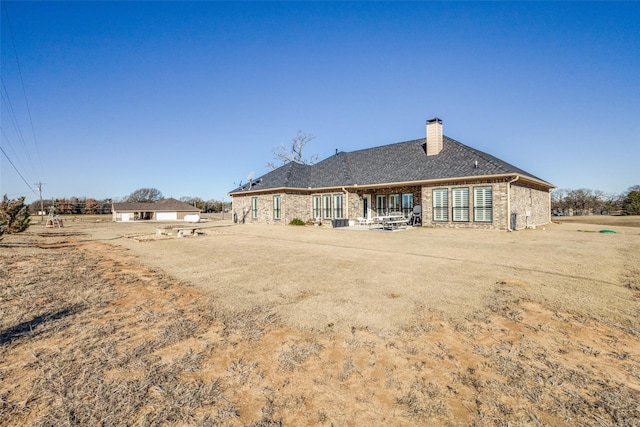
{"x": 605, "y": 220}
{"x": 90, "y": 336}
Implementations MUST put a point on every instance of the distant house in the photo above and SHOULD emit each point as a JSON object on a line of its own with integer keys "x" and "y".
{"x": 454, "y": 185}
{"x": 164, "y": 210}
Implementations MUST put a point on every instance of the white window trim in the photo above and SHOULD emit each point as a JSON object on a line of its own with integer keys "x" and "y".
{"x": 326, "y": 206}
{"x": 337, "y": 206}
{"x": 483, "y": 204}
{"x": 254, "y": 208}
{"x": 440, "y": 205}
{"x": 277, "y": 207}
{"x": 460, "y": 204}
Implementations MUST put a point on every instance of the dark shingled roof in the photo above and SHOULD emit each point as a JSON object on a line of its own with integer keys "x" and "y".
{"x": 393, "y": 163}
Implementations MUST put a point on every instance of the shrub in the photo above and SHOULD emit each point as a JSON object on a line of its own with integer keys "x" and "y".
{"x": 14, "y": 215}
{"x": 296, "y": 221}
{"x": 631, "y": 204}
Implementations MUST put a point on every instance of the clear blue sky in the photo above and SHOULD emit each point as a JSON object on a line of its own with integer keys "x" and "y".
{"x": 190, "y": 97}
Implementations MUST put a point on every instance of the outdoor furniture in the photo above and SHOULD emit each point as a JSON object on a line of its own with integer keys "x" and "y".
{"x": 335, "y": 223}
{"x": 416, "y": 216}
{"x": 392, "y": 221}
{"x": 365, "y": 221}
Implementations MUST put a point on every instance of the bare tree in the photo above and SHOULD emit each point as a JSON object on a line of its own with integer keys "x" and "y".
{"x": 585, "y": 201}
{"x": 632, "y": 188}
{"x": 558, "y": 200}
{"x": 90, "y": 206}
{"x": 63, "y": 206}
{"x": 293, "y": 153}
{"x": 193, "y": 201}
{"x": 145, "y": 195}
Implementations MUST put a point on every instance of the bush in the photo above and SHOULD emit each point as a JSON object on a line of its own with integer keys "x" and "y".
{"x": 14, "y": 215}
{"x": 631, "y": 204}
{"x": 296, "y": 221}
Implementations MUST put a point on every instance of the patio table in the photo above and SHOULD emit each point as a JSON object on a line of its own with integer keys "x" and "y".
{"x": 391, "y": 222}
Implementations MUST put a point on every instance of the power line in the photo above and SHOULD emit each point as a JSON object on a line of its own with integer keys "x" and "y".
{"x": 14, "y": 166}
{"x": 40, "y": 184}
{"x": 16, "y": 126}
{"x": 9, "y": 158}
{"x": 24, "y": 91}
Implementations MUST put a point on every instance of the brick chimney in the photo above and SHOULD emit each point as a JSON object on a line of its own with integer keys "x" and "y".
{"x": 434, "y": 136}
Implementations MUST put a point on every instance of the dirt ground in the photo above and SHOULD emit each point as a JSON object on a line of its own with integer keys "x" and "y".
{"x": 246, "y": 325}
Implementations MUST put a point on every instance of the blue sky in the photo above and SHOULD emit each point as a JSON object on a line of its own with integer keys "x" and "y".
{"x": 190, "y": 97}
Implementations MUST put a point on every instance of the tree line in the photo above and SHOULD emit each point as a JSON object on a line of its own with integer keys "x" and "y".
{"x": 585, "y": 201}
{"x": 87, "y": 205}
{"x": 14, "y": 214}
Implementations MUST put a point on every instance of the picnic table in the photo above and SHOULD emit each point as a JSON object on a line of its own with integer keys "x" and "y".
{"x": 392, "y": 222}
{"x": 178, "y": 231}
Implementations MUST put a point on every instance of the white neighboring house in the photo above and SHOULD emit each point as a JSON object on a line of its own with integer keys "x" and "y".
{"x": 164, "y": 210}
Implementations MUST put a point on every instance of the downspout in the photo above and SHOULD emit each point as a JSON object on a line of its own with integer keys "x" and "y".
{"x": 517, "y": 177}
{"x": 346, "y": 204}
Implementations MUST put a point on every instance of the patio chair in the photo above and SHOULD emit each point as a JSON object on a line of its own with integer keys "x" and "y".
{"x": 416, "y": 216}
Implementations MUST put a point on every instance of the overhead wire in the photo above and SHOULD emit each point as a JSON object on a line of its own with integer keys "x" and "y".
{"x": 24, "y": 91}
{"x": 17, "y": 171}
{"x": 16, "y": 126}
{"x": 7, "y": 102}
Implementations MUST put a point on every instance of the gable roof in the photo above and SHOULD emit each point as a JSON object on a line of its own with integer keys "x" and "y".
{"x": 402, "y": 162}
{"x": 165, "y": 205}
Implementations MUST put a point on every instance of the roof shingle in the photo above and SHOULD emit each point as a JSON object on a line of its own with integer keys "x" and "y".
{"x": 393, "y": 163}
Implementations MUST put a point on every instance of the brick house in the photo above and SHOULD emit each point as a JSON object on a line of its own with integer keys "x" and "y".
{"x": 454, "y": 185}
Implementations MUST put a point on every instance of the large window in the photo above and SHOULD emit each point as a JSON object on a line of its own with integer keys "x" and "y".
{"x": 276, "y": 207}
{"x": 326, "y": 206}
{"x": 254, "y": 207}
{"x": 337, "y": 205}
{"x": 317, "y": 207}
{"x": 482, "y": 204}
{"x": 380, "y": 205}
{"x": 407, "y": 204}
{"x": 394, "y": 203}
{"x": 441, "y": 205}
{"x": 460, "y": 202}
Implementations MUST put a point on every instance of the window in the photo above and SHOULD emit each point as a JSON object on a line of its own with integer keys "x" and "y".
{"x": 394, "y": 203}
{"x": 460, "y": 202}
{"x": 380, "y": 205}
{"x": 317, "y": 207}
{"x": 407, "y": 204}
{"x": 366, "y": 201}
{"x": 337, "y": 205}
{"x": 254, "y": 207}
{"x": 482, "y": 204}
{"x": 276, "y": 207}
{"x": 326, "y": 205}
{"x": 441, "y": 205}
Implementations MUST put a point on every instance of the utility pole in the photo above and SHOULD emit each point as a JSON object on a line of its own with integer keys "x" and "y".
{"x": 40, "y": 184}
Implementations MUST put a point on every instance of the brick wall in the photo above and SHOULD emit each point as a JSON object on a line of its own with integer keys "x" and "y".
{"x": 524, "y": 199}
{"x": 530, "y": 200}
{"x": 499, "y": 194}
{"x": 291, "y": 206}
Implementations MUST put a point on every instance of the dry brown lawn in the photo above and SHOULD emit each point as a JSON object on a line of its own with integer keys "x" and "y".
{"x": 245, "y": 325}
{"x": 605, "y": 220}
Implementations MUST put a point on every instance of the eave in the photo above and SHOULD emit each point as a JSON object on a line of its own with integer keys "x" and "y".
{"x": 429, "y": 182}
